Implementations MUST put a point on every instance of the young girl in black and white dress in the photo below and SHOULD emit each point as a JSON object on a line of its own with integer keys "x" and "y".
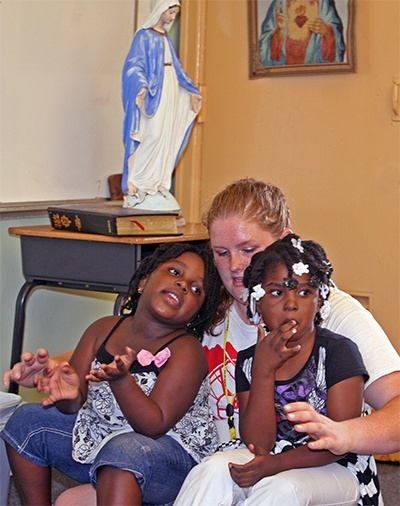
{"x": 132, "y": 403}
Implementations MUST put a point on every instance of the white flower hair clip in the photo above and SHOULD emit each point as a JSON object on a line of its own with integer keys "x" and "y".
{"x": 325, "y": 309}
{"x": 300, "y": 268}
{"x": 255, "y": 296}
{"x": 296, "y": 243}
{"x": 244, "y": 296}
{"x": 324, "y": 290}
{"x": 258, "y": 292}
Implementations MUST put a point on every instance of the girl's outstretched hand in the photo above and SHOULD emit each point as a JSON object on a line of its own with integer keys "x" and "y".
{"x": 115, "y": 370}
{"x": 61, "y": 383}
{"x": 32, "y": 367}
{"x": 247, "y": 475}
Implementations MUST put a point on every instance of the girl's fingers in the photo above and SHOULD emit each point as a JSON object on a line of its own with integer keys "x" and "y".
{"x": 261, "y": 333}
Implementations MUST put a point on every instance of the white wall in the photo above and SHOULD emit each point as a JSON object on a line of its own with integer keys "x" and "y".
{"x": 328, "y": 141}
{"x": 61, "y": 136}
{"x": 61, "y": 111}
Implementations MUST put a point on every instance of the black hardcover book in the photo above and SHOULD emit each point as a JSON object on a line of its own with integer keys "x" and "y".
{"x": 110, "y": 218}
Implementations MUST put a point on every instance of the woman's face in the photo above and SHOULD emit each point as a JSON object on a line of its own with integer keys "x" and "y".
{"x": 169, "y": 15}
{"x": 233, "y": 242}
{"x": 174, "y": 292}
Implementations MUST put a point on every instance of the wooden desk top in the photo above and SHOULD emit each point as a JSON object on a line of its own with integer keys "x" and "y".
{"x": 191, "y": 232}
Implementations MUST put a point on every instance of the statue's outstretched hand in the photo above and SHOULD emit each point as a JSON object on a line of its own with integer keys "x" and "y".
{"x": 140, "y": 97}
{"x": 195, "y": 103}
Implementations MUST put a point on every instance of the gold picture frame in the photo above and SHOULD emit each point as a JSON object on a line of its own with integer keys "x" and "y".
{"x": 301, "y": 37}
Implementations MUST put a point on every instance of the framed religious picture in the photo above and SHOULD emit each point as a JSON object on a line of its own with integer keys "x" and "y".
{"x": 295, "y": 37}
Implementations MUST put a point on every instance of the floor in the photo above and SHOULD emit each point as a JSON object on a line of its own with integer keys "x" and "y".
{"x": 389, "y": 477}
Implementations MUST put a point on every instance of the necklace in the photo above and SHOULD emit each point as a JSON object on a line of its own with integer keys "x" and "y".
{"x": 230, "y": 400}
{"x": 158, "y": 30}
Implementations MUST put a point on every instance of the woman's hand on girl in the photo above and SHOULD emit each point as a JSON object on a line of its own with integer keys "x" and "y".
{"x": 326, "y": 434}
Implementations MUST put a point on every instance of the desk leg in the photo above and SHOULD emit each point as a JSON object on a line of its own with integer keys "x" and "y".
{"x": 19, "y": 324}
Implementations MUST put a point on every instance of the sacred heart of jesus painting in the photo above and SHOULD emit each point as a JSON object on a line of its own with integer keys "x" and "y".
{"x": 292, "y": 37}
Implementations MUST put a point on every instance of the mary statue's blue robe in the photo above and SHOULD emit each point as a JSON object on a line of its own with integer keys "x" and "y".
{"x": 144, "y": 68}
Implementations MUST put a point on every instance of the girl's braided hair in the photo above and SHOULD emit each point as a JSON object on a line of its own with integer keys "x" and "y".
{"x": 289, "y": 251}
{"x": 204, "y": 319}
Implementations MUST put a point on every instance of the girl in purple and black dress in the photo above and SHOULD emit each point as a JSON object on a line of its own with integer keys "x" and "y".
{"x": 287, "y": 285}
{"x": 295, "y": 359}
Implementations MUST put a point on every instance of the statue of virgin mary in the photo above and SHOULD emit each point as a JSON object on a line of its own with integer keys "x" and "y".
{"x": 161, "y": 103}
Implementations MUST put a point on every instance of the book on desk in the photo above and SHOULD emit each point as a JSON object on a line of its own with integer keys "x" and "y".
{"x": 110, "y": 218}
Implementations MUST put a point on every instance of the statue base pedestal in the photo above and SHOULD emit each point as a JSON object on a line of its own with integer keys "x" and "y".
{"x": 161, "y": 201}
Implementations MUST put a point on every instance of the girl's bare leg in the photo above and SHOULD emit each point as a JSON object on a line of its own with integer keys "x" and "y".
{"x": 116, "y": 487}
{"x": 33, "y": 482}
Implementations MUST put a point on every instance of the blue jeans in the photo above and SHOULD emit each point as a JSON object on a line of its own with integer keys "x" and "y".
{"x": 44, "y": 437}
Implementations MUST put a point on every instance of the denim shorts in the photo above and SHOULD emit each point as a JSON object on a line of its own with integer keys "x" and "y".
{"x": 44, "y": 437}
{"x": 159, "y": 465}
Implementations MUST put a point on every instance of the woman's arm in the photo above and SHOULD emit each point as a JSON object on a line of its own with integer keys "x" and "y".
{"x": 381, "y": 360}
{"x": 344, "y": 401}
{"x": 363, "y": 435}
{"x": 382, "y": 390}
